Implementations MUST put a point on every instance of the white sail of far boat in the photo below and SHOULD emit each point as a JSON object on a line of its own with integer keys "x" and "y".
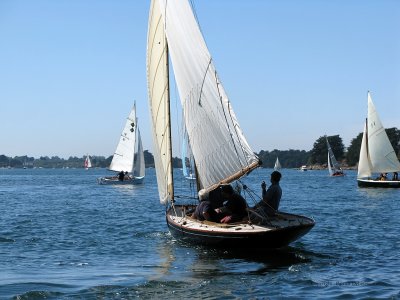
{"x": 221, "y": 151}
{"x": 277, "y": 165}
{"x": 123, "y": 161}
{"x": 376, "y": 153}
{"x": 139, "y": 163}
{"x": 88, "y": 162}
{"x": 333, "y": 165}
{"x": 188, "y": 167}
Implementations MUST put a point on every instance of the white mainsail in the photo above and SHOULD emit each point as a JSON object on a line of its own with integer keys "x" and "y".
{"x": 124, "y": 153}
{"x": 277, "y": 165}
{"x": 382, "y": 155}
{"x": 376, "y": 154}
{"x": 88, "y": 162}
{"x": 220, "y": 149}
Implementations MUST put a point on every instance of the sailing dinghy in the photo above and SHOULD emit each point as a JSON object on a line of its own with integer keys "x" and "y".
{"x": 88, "y": 163}
{"x": 187, "y": 158}
{"x": 128, "y": 157}
{"x": 277, "y": 166}
{"x": 376, "y": 153}
{"x": 333, "y": 165}
{"x": 220, "y": 150}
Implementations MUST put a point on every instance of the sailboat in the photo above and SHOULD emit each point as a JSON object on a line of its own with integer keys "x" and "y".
{"x": 187, "y": 157}
{"x": 221, "y": 152}
{"x": 333, "y": 165}
{"x": 277, "y": 165}
{"x": 376, "y": 153}
{"x": 128, "y": 159}
{"x": 88, "y": 163}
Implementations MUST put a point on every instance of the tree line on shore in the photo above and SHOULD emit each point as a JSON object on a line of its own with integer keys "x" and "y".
{"x": 317, "y": 156}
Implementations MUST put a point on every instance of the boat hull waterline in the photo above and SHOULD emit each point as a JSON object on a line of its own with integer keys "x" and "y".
{"x": 378, "y": 183}
{"x": 237, "y": 235}
{"x": 116, "y": 181}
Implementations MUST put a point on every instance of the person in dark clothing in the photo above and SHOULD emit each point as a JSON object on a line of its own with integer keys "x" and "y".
{"x": 271, "y": 197}
{"x": 234, "y": 208}
{"x": 395, "y": 176}
{"x": 121, "y": 176}
{"x": 205, "y": 210}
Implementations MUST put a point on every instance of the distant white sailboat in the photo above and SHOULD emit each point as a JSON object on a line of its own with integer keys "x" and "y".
{"x": 88, "y": 162}
{"x": 376, "y": 153}
{"x": 128, "y": 159}
{"x": 187, "y": 156}
{"x": 334, "y": 167}
{"x": 277, "y": 166}
{"x": 220, "y": 149}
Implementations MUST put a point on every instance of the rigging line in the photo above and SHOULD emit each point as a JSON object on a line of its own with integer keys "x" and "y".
{"x": 226, "y": 119}
{"x": 204, "y": 79}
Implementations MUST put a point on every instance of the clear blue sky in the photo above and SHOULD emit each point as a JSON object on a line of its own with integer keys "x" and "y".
{"x": 294, "y": 70}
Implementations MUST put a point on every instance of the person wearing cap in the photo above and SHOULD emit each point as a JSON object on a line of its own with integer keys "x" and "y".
{"x": 271, "y": 197}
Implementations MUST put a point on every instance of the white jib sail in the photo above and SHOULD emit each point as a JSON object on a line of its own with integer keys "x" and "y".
{"x": 124, "y": 153}
{"x": 219, "y": 147}
{"x": 382, "y": 155}
{"x": 139, "y": 165}
{"x": 364, "y": 163}
{"x": 158, "y": 91}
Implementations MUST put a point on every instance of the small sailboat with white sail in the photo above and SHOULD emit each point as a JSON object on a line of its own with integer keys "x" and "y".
{"x": 334, "y": 167}
{"x": 128, "y": 159}
{"x": 187, "y": 158}
{"x": 376, "y": 154}
{"x": 221, "y": 152}
{"x": 277, "y": 166}
{"x": 88, "y": 163}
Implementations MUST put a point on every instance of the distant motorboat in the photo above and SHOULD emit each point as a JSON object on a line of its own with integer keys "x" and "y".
{"x": 304, "y": 168}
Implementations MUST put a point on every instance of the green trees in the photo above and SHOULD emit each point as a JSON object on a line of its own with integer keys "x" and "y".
{"x": 288, "y": 158}
{"x": 353, "y": 152}
{"x": 319, "y": 152}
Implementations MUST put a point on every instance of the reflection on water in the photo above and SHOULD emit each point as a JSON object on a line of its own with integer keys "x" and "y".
{"x": 207, "y": 263}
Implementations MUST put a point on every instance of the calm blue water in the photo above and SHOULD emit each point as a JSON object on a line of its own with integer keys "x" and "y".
{"x": 63, "y": 236}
